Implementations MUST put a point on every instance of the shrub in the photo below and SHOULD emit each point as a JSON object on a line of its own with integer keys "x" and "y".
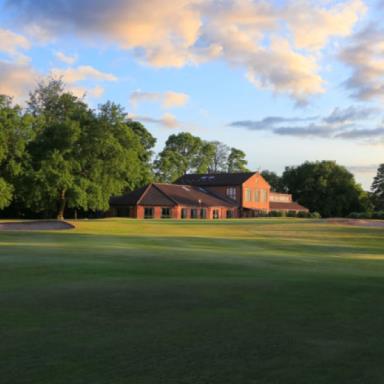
{"x": 291, "y": 214}
{"x": 276, "y": 213}
{"x": 378, "y": 215}
{"x": 315, "y": 215}
{"x": 303, "y": 214}
{"x": 360, "y": 215}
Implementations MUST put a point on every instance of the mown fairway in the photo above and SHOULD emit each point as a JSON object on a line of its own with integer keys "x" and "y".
{"x": 230, "y": 302}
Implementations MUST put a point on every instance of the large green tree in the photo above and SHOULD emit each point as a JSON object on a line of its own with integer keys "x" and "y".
{"x": 219, "y": 157}
{"x": 274, "y": 180}
{"x": 325, "y": 187}
{"x": 15, "y": 133}
{"x": 183, "y": 153}
{"x": 79, "y": 158}
{"x": 378, "y": 189}
{"x": 236, "y": 161}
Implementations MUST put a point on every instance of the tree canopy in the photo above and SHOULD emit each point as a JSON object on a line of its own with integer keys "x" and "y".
{"x": 324, "y": 187}
{"x": 15, "y": 133}
{"x": 378, "y": 189}
{"x": 79, "y": 157}
{"x": 59, "y": 153}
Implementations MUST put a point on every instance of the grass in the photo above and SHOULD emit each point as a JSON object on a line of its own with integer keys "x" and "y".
{"x": 240, "y": 301}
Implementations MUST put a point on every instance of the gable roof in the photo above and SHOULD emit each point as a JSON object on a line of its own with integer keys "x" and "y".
{"x": 215, "y": 179}
{"x": 193, "y": 196}
{"x": 158, "y": 194}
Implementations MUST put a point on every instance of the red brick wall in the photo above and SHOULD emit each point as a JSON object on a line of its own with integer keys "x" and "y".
{"x": 222, "y": 191}
{"x": 176, "y": 212}
{"x": 256, "y": 182}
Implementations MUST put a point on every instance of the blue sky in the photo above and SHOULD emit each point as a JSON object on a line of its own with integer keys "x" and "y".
{"x": 285, "y": 81}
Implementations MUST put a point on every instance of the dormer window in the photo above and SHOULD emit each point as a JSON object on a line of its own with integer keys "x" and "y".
{"x": 231, "y": 193}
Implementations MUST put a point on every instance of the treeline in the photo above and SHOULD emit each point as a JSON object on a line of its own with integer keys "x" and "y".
{"x": 58, "y": 155}
{"x": 328, "y": 188}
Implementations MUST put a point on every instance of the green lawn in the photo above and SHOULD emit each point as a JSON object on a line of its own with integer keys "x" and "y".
{"x": 232, "y": 302}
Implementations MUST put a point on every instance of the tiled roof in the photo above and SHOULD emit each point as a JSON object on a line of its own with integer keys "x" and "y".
{"x": 130, "y": 198}
{"x": 211, "y": 179}
{"x": 171, "y": 195}
{"x": 279, "y": 206}
{"x": 191, "y": 195}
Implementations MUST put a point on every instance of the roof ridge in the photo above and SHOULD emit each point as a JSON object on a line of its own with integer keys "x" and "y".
{"x": 165, "y": 194}
{"x": 143, "y": 194}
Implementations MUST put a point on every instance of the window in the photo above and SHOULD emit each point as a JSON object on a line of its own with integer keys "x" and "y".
{"x": 184, "y": 213}
{"x": 263, "y": 195}
{"x": 231, "y": 192}
{"x": 229, "y": 214}
{"x": 203, "y": 213}
{"x": 216, "y": 214}
{"x": 148, "y": 213}
{"x": 165, "y": 213}
{"x": 193, "y": 213}
{"x": 257, "y": 195}
{"x": 248, "y": 194}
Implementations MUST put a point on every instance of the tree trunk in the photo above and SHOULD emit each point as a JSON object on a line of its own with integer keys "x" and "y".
{"x": 60, "y": 213}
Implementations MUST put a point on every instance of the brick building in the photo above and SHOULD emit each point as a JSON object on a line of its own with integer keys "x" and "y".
{"x": 205, "y": 196}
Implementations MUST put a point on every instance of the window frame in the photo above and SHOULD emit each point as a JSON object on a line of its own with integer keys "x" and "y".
{"x": 231, "y": 192}
{"x": 165, "y": 216}
{"x": 194, "y": 213}
{"x": 146, "y": 216}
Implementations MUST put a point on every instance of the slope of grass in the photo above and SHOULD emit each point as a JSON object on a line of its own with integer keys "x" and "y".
{"x": 237, "y": 301}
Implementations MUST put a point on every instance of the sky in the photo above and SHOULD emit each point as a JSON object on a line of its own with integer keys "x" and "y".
{"x": 285, "y": 81}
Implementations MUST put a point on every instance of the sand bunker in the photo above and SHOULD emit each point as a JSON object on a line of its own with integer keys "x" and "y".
{"x": 35, "y": 225}
{"x": 357, "y": 222}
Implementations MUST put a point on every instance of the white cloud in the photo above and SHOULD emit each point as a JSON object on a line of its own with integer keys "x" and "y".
{"x": 278, "y": 44}
{"x": 11, "y": 43}
{"x": 67, "y": 59}
{"x": 16, "y": 80}
{"x": 365, "y": 55}
{"x": 80, "y": 92}
{"x": 166, "y": 121}
{"x": 83, "y": 72}
{"x": 169, "y": 99}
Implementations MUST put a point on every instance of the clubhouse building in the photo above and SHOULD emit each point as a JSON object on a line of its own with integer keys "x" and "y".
{"x": 204, "y": 196}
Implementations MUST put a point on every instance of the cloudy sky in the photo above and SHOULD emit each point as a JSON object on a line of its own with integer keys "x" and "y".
{"x": 286, "y": 81}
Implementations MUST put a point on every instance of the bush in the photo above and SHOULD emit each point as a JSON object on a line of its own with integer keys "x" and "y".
{"x": 360, "y": 215}
{"x": 291, "y": 214}
{"x": 378, "y": 215}
{"x": 315, "y": 215}
{"x": 276, "y": 214}
{"x": 303, "y": 214}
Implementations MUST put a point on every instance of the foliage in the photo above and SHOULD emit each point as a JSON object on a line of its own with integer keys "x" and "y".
{"x": 276, "y": 213}
{"x": 274, "y": 180}
{"x": 378, "y": 189}
{"x": 237, "y": 161}
{"x": 79, "y": 158}
{"x": 325, "y": 187}
{"x": 15, "y": 132}
{"x": 219, "y": 157}
{"x": 183, "y": 153}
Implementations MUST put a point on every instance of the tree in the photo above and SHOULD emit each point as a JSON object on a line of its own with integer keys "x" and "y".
{"x": 79, "y": 158}
{"x": 378, "y": 189}
{"x": 183, "y": 153}
{"x": 219, "y": 157}
{"x": 15, "y": 132}
{"x": 274, "y": 180}
{"x": 236, "y": 161}
{"x": 325, "y": 187}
